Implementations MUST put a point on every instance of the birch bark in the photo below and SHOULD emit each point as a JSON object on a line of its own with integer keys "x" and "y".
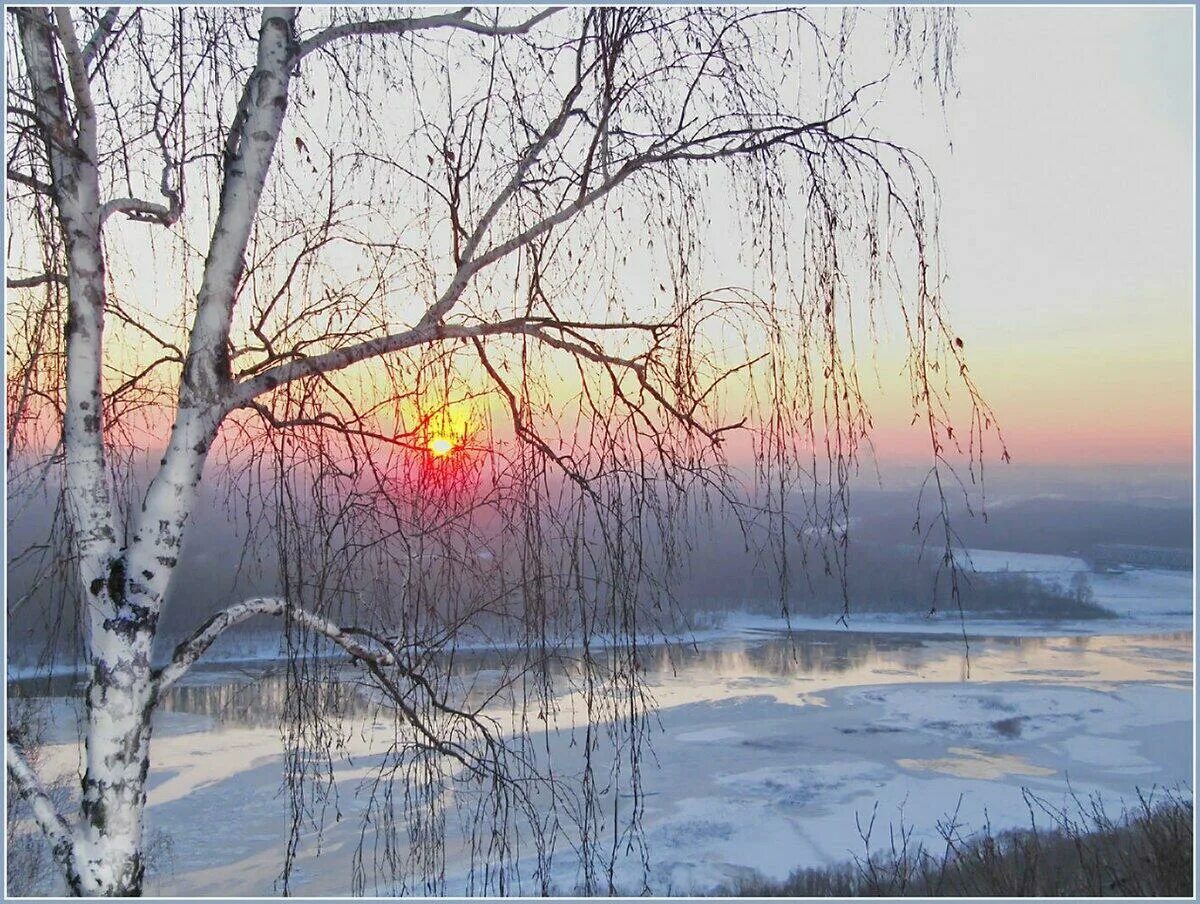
{"x": 123, "y": 588}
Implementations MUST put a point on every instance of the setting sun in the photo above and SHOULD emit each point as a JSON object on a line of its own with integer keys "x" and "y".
{"x": 440, "y": 446}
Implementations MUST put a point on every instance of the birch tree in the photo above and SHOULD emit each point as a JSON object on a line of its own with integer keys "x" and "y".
{"x": 300, "y": 243}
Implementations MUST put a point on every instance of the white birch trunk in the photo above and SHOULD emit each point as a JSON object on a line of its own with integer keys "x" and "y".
{"x": 123, "y": 589}
{"x": 106, "y": 847}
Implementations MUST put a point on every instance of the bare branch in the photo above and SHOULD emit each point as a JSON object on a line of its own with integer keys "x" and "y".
{"x": 103, "y": 29}
{"x": 422, "y": 334}
{"x": 457, "y": 20}
{"x": 137, "y": 209}
{"x": 189, "y": 651}
{"x": 80, "y": 87}
{"x": 45, "y": 813}
{"x": 30, "y": 181}
{"x": 371, "y": 348}
{"x": 32, "y": 282}
{"x": 376, "y": 657}
{"x": 249, "y": 150}
{"x": 149, "y": 211}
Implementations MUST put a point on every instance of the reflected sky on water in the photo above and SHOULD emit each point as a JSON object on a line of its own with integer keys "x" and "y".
{"x": 792, "y": 669}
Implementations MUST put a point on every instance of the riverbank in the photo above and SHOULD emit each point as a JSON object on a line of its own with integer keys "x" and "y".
{"x": 1145, "y": 850}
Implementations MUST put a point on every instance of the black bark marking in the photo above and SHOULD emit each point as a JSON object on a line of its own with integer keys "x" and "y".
{"x": 130, "y": 745}
{"x": 116, "y": 582}
{"x": 221, "y": 366}
{"x": 129, "y": 622}
{"x": 94, "y": 810}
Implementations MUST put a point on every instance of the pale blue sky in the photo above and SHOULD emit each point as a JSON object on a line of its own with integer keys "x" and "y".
{"x": 1067, "y": 223}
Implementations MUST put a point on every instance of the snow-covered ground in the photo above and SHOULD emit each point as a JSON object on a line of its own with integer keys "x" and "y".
{"x": 987, "y": 561}
{"x": 1138, "y": 594}
{"x": 758, "y": 784}
{"x": 1145, "y": 592}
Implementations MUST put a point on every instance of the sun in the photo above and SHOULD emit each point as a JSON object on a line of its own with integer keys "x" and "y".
{"x": 440, "y": 446}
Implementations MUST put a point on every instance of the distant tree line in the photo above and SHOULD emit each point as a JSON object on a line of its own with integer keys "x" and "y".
{"x": 885, "y": 578}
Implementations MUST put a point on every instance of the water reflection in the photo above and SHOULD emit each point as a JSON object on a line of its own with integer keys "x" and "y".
{"x": 970, "y": 762}
{"x": 263, "y": 695}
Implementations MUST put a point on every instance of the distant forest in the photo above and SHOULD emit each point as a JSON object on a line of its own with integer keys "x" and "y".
{"x": 723, "y": 570}
{"x": 886, "y": 578}
{"x": 1068, "y": 527}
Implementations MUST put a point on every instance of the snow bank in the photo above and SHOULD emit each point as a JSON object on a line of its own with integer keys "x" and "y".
{"x": 988, "y": 561}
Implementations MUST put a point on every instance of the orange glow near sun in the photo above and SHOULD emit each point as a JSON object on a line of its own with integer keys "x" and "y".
{"x": 440, "y": 446}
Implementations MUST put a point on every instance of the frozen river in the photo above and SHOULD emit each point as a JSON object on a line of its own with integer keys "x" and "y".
{"x": 767, "y": 750}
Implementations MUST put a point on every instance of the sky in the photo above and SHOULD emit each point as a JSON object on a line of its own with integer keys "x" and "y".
{"x": 1065, "y": 165}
